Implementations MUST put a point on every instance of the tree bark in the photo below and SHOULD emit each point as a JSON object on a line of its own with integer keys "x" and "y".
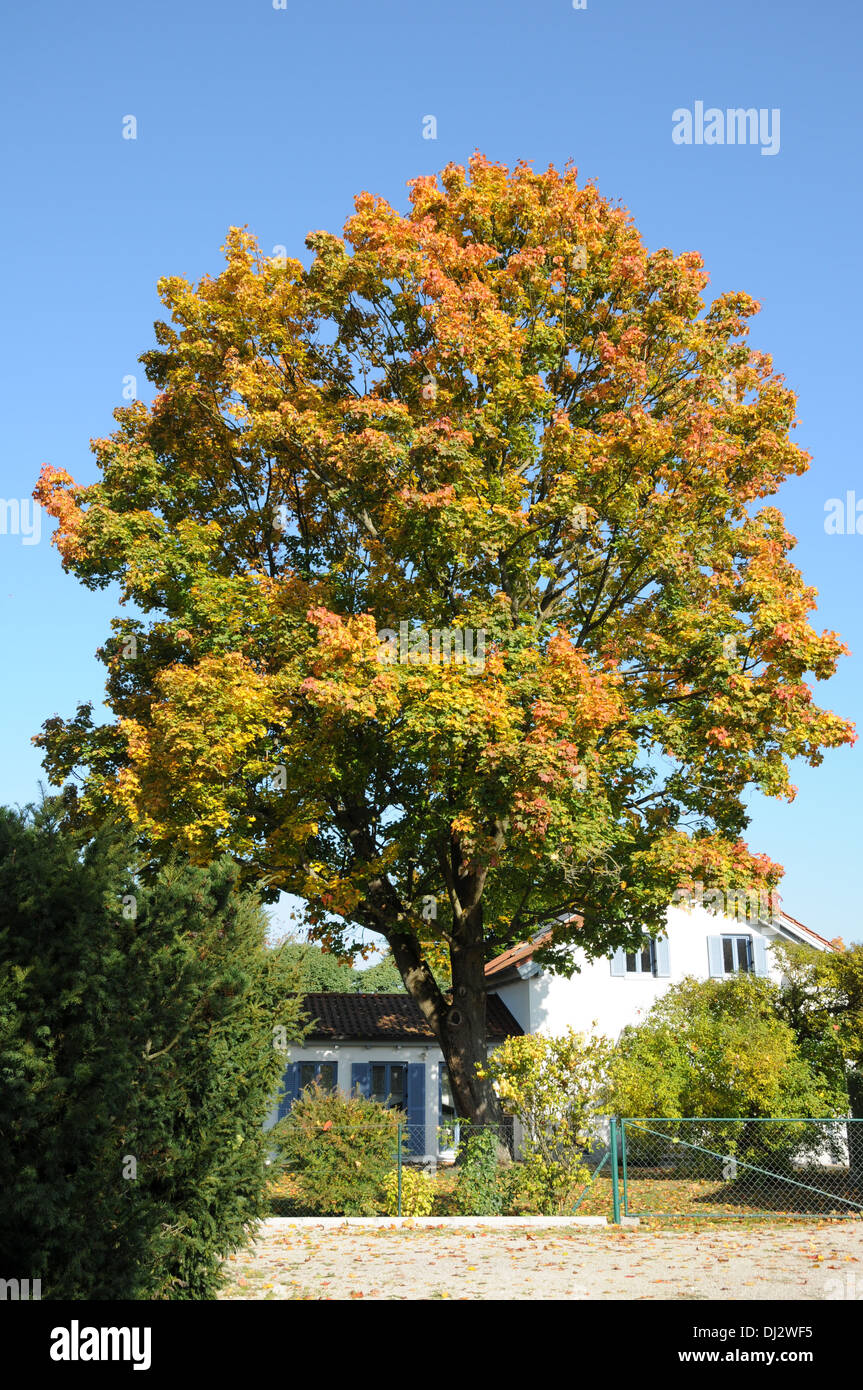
{"x": 463, "y": 1039}
{"x": 459, "y": 1026}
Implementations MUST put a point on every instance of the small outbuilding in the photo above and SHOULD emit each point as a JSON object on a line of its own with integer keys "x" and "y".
{"x": 380, "y": 1046}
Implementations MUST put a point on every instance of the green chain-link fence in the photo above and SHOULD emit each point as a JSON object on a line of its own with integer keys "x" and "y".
{"x": 733, "y": 1166}
{"x": 636, "y": 1167}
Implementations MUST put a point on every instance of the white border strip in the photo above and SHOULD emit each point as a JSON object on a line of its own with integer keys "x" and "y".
{"x": 273, "y": 1224}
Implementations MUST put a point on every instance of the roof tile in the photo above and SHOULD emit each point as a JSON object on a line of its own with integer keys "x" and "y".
{"x": 387, "y": 1018}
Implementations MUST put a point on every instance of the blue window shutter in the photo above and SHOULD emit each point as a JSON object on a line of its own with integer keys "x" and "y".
{"x": 440, "y": 1067}
{"x": 289, "y": 1082}
{"x": 416, "y": 1107}
{"x": 760, "y": 948}
{"x": 618, "y": 962}
{"x": 361, "y": 1078}
{"x": 714, "y": 956}
{"x": 661, "y": 956}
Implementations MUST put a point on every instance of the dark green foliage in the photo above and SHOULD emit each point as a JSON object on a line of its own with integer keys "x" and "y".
{"x": 317, "y": 971}
{"x": 381, "y": 978}
{"x": 131, "y": 1032}
{"x": 340, "y": 1148}
{"x": 480, "y": 1189}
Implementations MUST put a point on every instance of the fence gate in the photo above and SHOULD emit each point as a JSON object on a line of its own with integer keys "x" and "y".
{"x": 732, "y": 1166}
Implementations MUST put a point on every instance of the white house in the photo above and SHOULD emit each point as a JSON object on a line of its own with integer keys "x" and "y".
{"x": 611, "y": 993}
{"x": 381, "y": 1045}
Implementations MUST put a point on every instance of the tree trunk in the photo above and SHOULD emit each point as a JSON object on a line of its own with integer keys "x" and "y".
{"x": 459, "y": 1026}
{"x": 463, "y": 1038}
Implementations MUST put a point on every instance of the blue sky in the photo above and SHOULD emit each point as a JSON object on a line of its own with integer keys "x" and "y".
{"x": 275, "y": 118}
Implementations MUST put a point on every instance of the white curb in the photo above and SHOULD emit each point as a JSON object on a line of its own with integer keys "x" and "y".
{"x": 281, "y": 1223}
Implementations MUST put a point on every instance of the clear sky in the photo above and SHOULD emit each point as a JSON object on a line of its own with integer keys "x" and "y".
{"x": 275, "y": 118}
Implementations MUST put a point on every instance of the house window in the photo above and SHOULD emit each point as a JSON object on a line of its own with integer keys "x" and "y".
{"x": 641, "y": 962}
{"x": 324, "y": 1073}
{"x": 389, "y": 1084}
{"x": 737, "y": 957}
{"x": 652, "y": 958}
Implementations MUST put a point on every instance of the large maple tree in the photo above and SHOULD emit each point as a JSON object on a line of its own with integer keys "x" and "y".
{"x": 497, "y": 413}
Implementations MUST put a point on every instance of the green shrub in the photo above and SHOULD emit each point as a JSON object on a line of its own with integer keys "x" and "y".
{"x": 479, "y": 1190}
{"x": 521, "y": 1196}
{"x": 137, "y": 1065}
{"x": 536, "y": 1186}
{"x": 340, "y": 1149}
{"x": 717, "y": 1048}
{"x": 418, "y": 1193}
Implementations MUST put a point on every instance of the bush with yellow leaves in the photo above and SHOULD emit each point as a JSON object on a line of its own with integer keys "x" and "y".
{"x": 418, "y": 1193}
{"x": 554, "y": 1087}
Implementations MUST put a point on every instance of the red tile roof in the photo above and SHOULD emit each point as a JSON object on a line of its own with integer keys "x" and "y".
{"x": 387, "y": 1018}
{"x": 525, "y": 949}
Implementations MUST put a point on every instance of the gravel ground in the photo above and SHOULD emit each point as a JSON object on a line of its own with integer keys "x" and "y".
{"x": 812, "y": 1261}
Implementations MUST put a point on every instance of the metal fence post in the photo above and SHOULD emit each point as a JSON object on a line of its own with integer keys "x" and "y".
{"x": 615, "y": 1182}
{"x": 399, "y": 1168}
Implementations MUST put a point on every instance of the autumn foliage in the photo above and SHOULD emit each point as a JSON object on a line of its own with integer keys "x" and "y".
{"x": 498, "y": 412}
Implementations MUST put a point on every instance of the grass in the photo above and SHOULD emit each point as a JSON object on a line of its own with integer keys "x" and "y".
{"x": 650, "y": 1194}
